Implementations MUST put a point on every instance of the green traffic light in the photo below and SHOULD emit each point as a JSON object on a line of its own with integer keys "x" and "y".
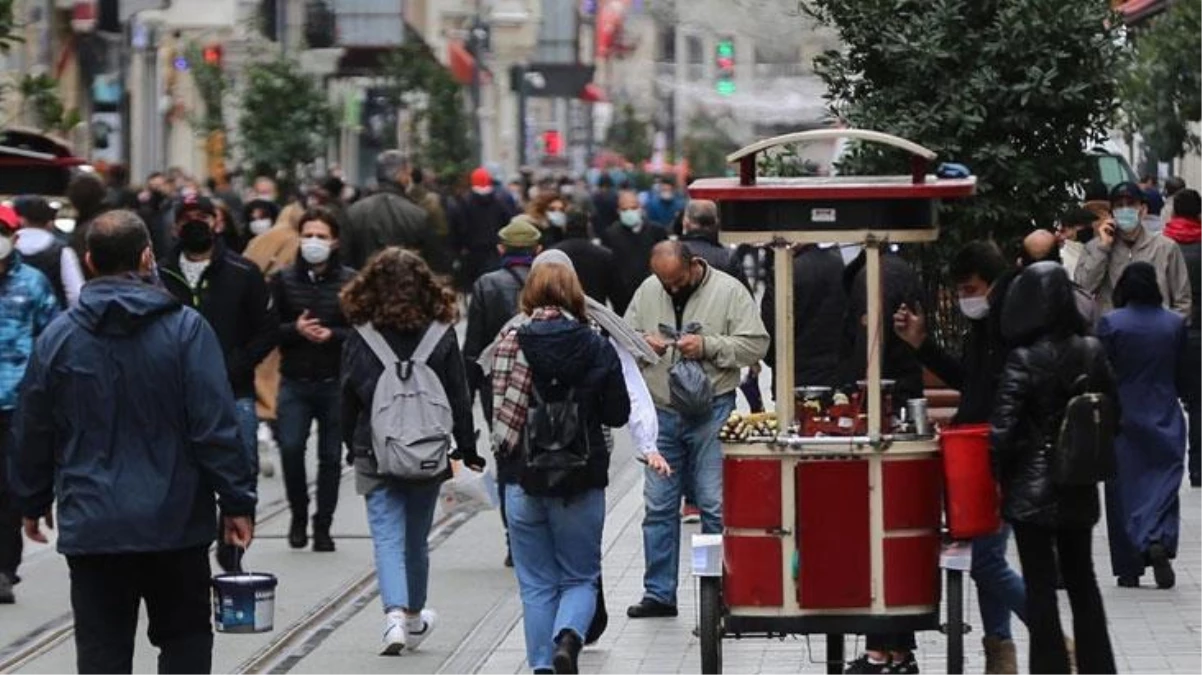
{"x": 726, "y": 87}
{"x": 726, "y": 49}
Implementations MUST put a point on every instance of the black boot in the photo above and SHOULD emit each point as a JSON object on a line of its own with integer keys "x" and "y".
{"x": 322, "y": 541}
{"x": 298, "y": 533}
{"x": 567, "y": 650}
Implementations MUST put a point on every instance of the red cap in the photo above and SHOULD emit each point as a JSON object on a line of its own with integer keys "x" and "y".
{"x": 9, "y": 218}
{"x": 481, "y": 178}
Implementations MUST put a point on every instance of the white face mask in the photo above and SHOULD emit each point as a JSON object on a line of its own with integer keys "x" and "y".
{"x": 975, "y": 307}
{"x": 482, "y": 191}
{"x": 631, "y": 217}
{"x": 315, "y": 251}
{"x": 259, "y": 226}
{"x": 557, "y": 218}
{"x": 6, "y": 247}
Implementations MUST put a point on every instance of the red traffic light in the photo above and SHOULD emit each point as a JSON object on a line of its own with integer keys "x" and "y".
{"x": 552, "y": 142}
{"x": 212, "y": 55}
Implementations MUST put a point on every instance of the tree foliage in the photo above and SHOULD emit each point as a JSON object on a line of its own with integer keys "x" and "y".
{"x": 630, "y": 136}
{"x": 705, "y": 146}
{"x": 211, "y": 83}
{"x": 1162, "y": 88}
{"x": 43, "y": 107}
{"x": 284, "y": 118}
{"x": 438, "y": 125}
{"x": 1015, "y": 89}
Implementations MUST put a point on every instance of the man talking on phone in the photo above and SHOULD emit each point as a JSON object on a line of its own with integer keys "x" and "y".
{"x": 1121, "y": 240}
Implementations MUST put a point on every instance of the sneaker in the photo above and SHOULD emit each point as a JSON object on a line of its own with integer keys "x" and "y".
{"x": 416, "y": 638}
{"x": 690, "y": 514}
{"x": 865, "y": 665}
{"x": 394, "y": 634}
{"x": 6, "y": 590}
{"x": 1162, "y": 568}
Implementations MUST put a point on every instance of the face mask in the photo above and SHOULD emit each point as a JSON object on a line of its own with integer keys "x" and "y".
{"x": 6, "y": 247}
{"x": 557, "y": 218}
{"x": 482, "y": 191}
{"x": 666, "y": 195}
{"x": 315, "y": 251}
{"x": 195, "y": 236}
{"x": 975, "y": 308}
{"x": 1127, "y": 218}
{"x": 259, "y": 226}
{"x": 631, "y": 217}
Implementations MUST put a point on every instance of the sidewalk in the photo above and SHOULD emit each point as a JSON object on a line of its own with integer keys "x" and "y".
{"x": 1153, "y": 631}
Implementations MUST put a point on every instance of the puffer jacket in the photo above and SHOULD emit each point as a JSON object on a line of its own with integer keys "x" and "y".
{"x": 298, "y": 289}
{"x": 565, "y": 354}
{"x": 27, "y": 305}
{"x": 126, "y": 416}
{"x": 387, "y": 218}
{"x": 1034, "y": 389}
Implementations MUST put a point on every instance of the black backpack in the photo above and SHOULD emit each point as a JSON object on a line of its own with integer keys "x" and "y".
{"x": 1084, "y": 445}
{"x": 555, "y": 443}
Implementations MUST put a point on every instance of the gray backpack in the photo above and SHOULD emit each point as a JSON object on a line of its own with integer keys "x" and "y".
{"x": 411, "y": 420}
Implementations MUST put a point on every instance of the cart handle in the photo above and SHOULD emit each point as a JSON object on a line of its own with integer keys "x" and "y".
{"x": 746, "y": 156}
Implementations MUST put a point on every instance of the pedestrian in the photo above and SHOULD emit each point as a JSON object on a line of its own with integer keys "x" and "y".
{"x": 556, "y": 365}
{"x": 900, "y": 286}
{"x": 260, "y": 215}
{"x": 87, "y": 195}
{"x": 430, "y": 201}
{"x": 494, "y": 302}
{"x": 1185, "y": 228}
{"x": 1152, "y": 196}
{"x": 1053, "y": 522}
{"x": 1074, "y": 232}
{"x": 699, "y": 225}
{"x": 549, "y": 213}
{"x": 312, "y": 332}
{"x": 819, "y": 303}
{"x": 124, "y": 421}
{"x": 1123, "y": 240}
{"x": 976, "y": 270}
{"x": 387, "y": 218}
{"x": 27, "y": 305}
{"x": 605, "y": 202}
{"x": 1043, "y": 246}
{"x": 229, "y": 229}
{"x": 154, "y": 208}
{"x": 594, "y": 264}
{"x": 477, "y": 219}
{"x": 409, "y": 315}
{"x": 663, "y": 204}
{"x": 43, "y": 246}
{"x": 231, "y": 294}
{"x": 631, "y": 240}
{"x": 686, "y": 293}
{"x": 1146, "y": 344}
{"x": 1172, "y": 187}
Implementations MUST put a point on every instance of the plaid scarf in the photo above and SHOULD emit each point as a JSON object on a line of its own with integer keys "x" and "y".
{"x": 512, "y": 382}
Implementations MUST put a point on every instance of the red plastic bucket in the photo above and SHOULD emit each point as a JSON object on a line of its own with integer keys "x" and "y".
{"x": 972, "y": 499}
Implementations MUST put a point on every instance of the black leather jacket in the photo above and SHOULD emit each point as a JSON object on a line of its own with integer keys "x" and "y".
{"x": 494, "y": 303}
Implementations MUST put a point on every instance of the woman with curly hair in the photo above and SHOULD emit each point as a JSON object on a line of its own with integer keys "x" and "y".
{"x": 397, "y": 298}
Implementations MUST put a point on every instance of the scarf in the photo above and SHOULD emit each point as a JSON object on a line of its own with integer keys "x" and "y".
{"x": 1184, "y": 230}
{"x": 512, "y": 382}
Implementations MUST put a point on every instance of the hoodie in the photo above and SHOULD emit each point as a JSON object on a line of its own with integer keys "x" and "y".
{"x": 53, "y": 258}
{"x": 124, "y": 420}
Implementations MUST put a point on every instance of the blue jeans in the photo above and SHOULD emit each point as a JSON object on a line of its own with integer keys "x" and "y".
{"x": 248, "y": 429}
{"x": 400, "y": 517}
{"x": 692, "y": 450}
{"x": 556, "y": 545}
{"x": 301, "y": 402}
{"x": 1000, "y": 590}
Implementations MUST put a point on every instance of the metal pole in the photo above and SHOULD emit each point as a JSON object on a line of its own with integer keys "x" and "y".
{"x": 125, "y": 109}
{"x": 521, "y": 70}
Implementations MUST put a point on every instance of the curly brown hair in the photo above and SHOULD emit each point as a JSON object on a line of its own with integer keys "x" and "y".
{"x": 397, "y": 290}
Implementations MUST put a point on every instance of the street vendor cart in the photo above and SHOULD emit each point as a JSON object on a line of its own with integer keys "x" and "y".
{"x": 833, "y": 512}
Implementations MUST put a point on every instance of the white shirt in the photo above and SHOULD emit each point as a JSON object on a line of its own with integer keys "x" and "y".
{"x": 192, "y": 270}
{"x": 644, "y": 421}
{"x": 31, "y": 241}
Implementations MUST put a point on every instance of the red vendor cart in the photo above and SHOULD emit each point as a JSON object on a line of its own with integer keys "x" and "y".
{"x": 832, "y": 526}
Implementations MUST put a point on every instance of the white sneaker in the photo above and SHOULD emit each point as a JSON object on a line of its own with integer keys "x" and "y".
{"x": 415, "y": 639}
{"x": 394, "y": 634}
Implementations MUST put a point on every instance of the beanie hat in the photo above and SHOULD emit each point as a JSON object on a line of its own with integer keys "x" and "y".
{"x": 521, "y": 232}
{"x": 481, "y": 178}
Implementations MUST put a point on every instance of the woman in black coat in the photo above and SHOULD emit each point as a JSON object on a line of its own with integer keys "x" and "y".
{"x": 1051, "y": 356}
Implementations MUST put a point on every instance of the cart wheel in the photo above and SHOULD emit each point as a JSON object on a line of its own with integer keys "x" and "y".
{"x": 711, "y": 625}
{"x": 955, "y": 622}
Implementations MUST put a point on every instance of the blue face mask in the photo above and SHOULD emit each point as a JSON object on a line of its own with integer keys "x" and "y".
{"x": 1126, "y": 218}
{"x": 630, "y": 217}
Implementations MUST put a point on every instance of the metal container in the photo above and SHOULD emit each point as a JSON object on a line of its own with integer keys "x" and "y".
{"x": 916, "y": 410}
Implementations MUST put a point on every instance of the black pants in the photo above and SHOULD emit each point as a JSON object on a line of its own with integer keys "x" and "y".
{"x": 106, "y": 591}
{"x": 1193, "y": 403}
{"x": 299, "y": 404}
{"x": 10, "y": 518}
{"x": 1036, "y": 547}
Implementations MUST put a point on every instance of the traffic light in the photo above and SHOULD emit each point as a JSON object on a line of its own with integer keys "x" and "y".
{"x": 552, "y": 143}
{"x": 725, "y": 66}
{"x": 212, "y": 55}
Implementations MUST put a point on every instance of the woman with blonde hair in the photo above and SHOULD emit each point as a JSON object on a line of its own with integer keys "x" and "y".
{"x": 556, "y": 384}
{"x": 402, "y": 313}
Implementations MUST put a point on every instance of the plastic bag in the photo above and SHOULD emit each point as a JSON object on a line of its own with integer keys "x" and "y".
{"x": 469, "y": 491}
{"x": 690, "y": 389}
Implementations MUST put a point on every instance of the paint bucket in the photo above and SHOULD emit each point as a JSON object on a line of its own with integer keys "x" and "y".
{"x": 244, "y": 602}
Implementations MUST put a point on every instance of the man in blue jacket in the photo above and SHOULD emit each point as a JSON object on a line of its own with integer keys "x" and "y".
{"x": 27, "y": 304}
{"x": 125, "y": 420}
